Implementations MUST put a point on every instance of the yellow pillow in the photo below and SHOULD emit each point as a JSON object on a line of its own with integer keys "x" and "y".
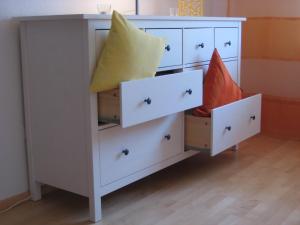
{"x": 129, "y": 53}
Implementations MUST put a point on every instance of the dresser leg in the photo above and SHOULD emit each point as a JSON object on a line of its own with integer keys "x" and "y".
{"x": 35, "y": 190}
{"x": 95, "y": 209}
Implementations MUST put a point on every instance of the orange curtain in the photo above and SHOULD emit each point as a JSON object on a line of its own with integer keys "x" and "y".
{"x": 272, "y": 38}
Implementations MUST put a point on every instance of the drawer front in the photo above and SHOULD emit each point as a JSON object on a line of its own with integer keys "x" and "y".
{"x": 198, "y": 45}
{"x": 232, "y": 67}
{"x": 151, "y": 98}
{"x": 226, "y": 41}
{"x": 173, "y": 51}
{"x": 126, "y": 151}
{"x": 234, "y": 123}
{"x": 100, "y": 37}
{"x": 252, "y": 115}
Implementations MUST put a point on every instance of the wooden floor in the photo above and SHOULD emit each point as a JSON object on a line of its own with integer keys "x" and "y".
{"x": 260, "y": 185}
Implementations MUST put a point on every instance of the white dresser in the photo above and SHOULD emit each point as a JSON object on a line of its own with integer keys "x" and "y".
{"x": 144, "y": 124}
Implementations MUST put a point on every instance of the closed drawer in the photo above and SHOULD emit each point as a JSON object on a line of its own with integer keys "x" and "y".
{"x": 232, "y": 67}
{"x": 173, "y": 50}
{"x": 143, "y": 100}
{"x": 198, "y": 45}
{"x": 126, "y": 151}
{"x": 228, "y": 125}
{"x": 226, "y": 41}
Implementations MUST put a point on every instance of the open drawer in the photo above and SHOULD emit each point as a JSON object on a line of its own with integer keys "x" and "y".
{"x": 228, "y": 125}
{"x": 139, "y": 101}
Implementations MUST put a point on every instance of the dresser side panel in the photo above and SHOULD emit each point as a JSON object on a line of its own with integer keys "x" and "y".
{"x": 55, "y": 102}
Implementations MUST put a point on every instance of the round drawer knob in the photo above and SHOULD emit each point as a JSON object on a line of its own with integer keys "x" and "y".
{"x": 168, "y": 48}
{"x": 228, "y": 43}
{"x": 189, "y": 91}
{"x": 228, "y": 128}
{"x": 125, "y": 152}
{"x": 168, "y": 137}
{"x": 148, "y": 101}
{"x": 201, "y": 45}
{"x": 253, "y": 117}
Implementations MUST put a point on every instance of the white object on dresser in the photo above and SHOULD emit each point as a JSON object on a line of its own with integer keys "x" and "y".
{"x": 67, "y": 148}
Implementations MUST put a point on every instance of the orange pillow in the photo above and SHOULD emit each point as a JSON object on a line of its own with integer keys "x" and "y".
{"x": 219, "y": 88}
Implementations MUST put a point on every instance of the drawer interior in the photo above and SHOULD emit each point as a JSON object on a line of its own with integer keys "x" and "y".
{"x": 197, "y": 132}
{"x": 227, "y": 126}
{"x": 109, "y": 107}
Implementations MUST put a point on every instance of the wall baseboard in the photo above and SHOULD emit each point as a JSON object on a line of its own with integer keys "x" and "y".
{"x": 281, "y": 117}
{"x": 6, "y": 203}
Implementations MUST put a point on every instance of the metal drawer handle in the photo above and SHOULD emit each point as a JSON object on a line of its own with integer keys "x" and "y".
{"x": 253, "y": 117}
{"x": 189, "y": 91}
{"x": 168, "y": 48}
{"x": 201, "y": 45}
{"x": 228, "y": 128}
{"x": 148, "y": 101}
{"x": 125, "y": 152}
{"x": 168, "y": 137}
{"x": 227, "y": 43}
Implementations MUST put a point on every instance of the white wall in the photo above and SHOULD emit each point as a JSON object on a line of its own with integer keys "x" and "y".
{"x": 157, "y": 7}
{"x": 162, "y": 7}
{"x": 147, "y": 7}
{"x": 215, "y": 7}
{"x": 13, "y": 170}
